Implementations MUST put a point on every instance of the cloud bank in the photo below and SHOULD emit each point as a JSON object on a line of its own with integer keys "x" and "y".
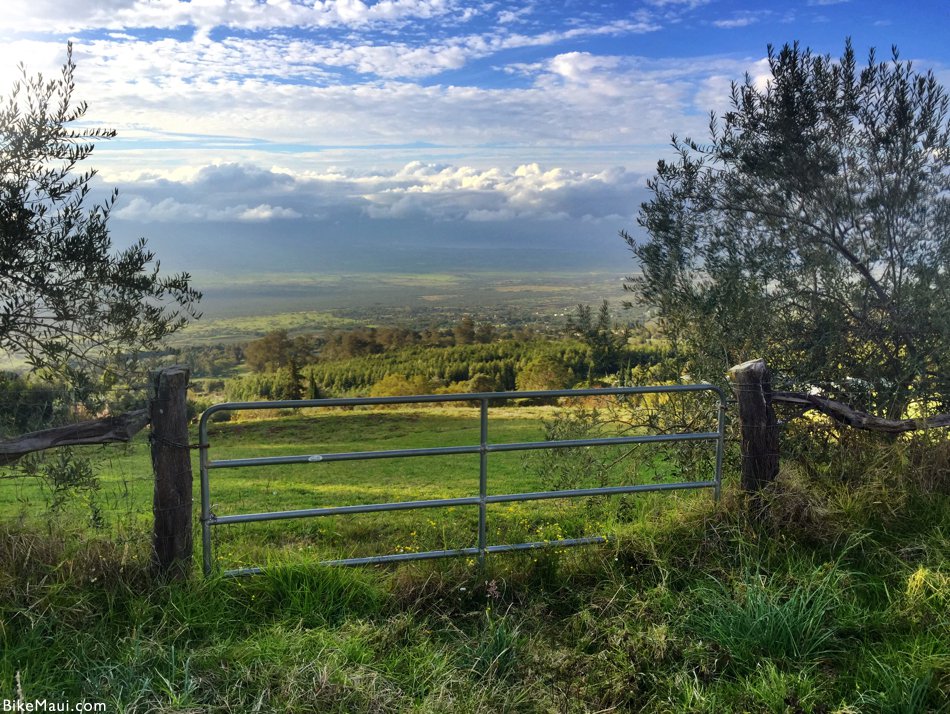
{"x": 425, "y": 191}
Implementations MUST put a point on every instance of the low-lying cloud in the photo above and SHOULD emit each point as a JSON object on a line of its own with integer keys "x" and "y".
{"x": 427, "y": 191}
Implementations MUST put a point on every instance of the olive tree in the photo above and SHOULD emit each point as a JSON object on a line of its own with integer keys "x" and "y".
{"x": 69, "y": 302}
{"x": 812, "y": 229}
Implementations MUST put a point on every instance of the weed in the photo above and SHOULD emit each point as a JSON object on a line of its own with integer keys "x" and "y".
{"x": 494, "y": 653}
{"x": 770, "y": 616}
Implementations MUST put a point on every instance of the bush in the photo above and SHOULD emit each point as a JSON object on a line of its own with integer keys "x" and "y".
{"x": 545, "y": 372}
{"x": 398, "y": 385}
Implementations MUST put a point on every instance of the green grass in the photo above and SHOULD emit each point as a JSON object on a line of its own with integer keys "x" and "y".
{"x": 777, "y": 617}
{"x": 838, "y": 601}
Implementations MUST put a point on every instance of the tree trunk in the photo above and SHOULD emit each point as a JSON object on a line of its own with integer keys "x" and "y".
{"x": 752, "y": 385}
{"x": 171, "y": 461}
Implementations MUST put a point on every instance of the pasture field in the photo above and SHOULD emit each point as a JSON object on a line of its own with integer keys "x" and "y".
{"x": 834, "y": 600}
{"x": 244, "y": 328}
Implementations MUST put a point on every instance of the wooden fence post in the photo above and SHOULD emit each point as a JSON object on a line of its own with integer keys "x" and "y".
{"x": 171, "y": 461}
{"x": 752, "y": 385}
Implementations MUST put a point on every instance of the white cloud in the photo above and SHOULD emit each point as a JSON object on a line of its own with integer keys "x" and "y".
{"x": 36, "y": 55}
{"x": 578, "y": 66}
{"x": 574, "y": 98}
{"x": 266, "y": 212}
{"x": 735, "y": 22}
{"x": 162, "y": 208}
{"x": 714, "y": 92}
{"x": 50, "y": 16}
{"x": 592, "y": 105}
{"x": 232, "y": 97}
{"x": 743, "y": 19}
{"x": 298, "y": 59}
{"x": 425, "y": 191}
{"x": 689, "y": 4}
{"x": 512, "y": 16}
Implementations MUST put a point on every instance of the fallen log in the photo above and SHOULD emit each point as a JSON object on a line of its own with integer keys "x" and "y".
{"x": 121, "y": 427}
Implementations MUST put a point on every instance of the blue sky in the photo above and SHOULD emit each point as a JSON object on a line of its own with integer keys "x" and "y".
{"x": 267, "y": 135}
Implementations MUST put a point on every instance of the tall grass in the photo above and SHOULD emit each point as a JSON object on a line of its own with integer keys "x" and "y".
{"x": 787, "y": 620}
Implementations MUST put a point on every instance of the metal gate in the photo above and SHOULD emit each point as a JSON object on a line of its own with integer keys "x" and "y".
{"x": 483, "y": 448}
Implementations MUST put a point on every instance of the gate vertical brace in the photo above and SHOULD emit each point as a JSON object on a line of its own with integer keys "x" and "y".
{"x": 483, "y": 486}
{"x": 205, "y": 492}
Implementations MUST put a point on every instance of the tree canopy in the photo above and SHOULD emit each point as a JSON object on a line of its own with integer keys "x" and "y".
{"x": 813, "y": 229}
{"x": 68, "y": 302}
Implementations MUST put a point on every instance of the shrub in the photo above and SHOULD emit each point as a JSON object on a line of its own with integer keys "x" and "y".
{"x": 398, "y": 385}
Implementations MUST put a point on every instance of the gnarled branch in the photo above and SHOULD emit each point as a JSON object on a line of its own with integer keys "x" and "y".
{"x": 841, "y": 412}
{"x": 121, "y": 427}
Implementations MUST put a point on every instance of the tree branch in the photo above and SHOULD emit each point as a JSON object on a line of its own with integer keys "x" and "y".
{"x": 114, "y": 428}
{"x": 843, "y": 413}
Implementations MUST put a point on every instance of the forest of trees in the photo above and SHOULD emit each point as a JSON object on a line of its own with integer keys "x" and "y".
{"x": 467, "y": 357}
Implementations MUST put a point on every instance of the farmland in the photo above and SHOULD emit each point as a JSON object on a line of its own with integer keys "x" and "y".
{"x": 244, "y": 307}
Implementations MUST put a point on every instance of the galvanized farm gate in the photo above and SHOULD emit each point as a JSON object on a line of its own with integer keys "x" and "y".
{"x": 483, "y": 448}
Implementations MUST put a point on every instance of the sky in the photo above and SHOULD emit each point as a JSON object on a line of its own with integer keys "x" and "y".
{"x": 260, "y": 136}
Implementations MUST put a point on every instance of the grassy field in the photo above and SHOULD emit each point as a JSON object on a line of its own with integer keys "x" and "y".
{"x": 212, "y": 330}
{"x": 837, "y": 600}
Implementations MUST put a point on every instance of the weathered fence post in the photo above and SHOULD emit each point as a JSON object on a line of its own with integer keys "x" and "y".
{"x": 171, "y": 461}
{"x": 752, "y": 385}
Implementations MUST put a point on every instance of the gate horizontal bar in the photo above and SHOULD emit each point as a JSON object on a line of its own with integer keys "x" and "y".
{"x": 600, "y": 491}
{"x": 341, "y": 510}
{"x": 433, "y": 554}
{"x": 469, "y": 397}
{"x": 402, "y": 557}
{"x": 345, "y": 456}
{"x": 603, "y": 441}
{"x": 563, "y": 543}
{"x": 371, "y": 560}
{"x": 445, "y": 502}
{"x": 454, "y": 450}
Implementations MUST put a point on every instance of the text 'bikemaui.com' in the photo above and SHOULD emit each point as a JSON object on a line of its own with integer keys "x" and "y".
{"x": 49, "y": 705}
